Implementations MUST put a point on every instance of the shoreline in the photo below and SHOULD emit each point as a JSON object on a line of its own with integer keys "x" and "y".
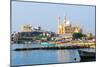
{"x": 50, "y": 48}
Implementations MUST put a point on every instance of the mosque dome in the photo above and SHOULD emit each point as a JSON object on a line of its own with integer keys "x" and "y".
{"x": 68, "y": 23}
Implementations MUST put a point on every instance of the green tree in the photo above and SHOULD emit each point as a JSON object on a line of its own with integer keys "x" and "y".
{"x": 77, "y": 35}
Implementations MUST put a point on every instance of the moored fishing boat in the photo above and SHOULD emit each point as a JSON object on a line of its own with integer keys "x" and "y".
{"x": 89, "y": 55}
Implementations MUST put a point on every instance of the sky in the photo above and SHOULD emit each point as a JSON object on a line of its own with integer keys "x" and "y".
{"x": 46, "y": 15}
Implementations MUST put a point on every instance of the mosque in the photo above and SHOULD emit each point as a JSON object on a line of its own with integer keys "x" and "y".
{"x": 66, "y": 27}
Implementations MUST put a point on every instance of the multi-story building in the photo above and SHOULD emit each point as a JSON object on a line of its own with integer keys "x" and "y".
{"x": 26, "y": 28}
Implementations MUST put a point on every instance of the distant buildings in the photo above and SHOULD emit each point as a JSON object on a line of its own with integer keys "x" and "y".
{"x": 26, "y": 28}
{"x": 31, "y": 34}
{"x": 30, "y": 28}
{"x": 66, "y": 27}
{"x": 65, "y": 31}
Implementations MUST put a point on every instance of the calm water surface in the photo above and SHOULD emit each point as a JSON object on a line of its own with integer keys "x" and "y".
{"x": 42, "y": 56}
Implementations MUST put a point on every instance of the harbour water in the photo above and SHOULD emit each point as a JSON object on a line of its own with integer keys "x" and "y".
{"x": 34, "y": 57}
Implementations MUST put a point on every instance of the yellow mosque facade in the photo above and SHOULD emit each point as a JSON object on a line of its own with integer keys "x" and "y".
{"x": 66, "y": 27}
